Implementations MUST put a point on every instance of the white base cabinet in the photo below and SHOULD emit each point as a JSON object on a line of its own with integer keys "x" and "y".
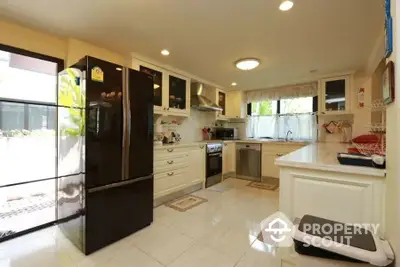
{"x": 178, "y": 168}
{"x": 347, "y": 198}
{"x": 270, "y": 152}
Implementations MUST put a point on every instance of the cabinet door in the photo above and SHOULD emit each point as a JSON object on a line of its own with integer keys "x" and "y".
{"x": 177, "y": 94}
{"x": 197, "y": 165}
{"x": 158, "y": 84}
{"x": 228, "y": 158}
{"x": 235, "y": 105}
{"x": 268, "y": 168}
{"x": 335, "y": 94}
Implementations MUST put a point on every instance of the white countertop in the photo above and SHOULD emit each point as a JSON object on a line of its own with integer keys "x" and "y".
{"x": 322, "y": 156}
{"x": 255, "y": 141}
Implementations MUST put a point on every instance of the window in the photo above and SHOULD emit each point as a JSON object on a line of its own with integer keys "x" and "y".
{"x": 277, "y": 118}
{"x": 263, "y": 108}
{"x": 28, "y": 140}
{"x": 296, "y": 105}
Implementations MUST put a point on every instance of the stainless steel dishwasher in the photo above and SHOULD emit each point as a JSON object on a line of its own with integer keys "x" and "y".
{"x": 248, "y": 161}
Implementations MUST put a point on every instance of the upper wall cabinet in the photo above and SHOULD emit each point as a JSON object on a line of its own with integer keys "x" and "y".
{"x": 235, "y": 105}
{"x": 178, "y": 94}
{"x": 158, "y": 84}
{"x": 171, "y": 90}
{"x": 335, "y": 95}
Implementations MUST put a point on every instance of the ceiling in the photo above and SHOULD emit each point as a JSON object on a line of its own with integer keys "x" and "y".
{"x": 205, "y": 37}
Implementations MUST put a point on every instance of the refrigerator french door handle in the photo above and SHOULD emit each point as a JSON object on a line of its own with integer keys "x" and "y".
{"x": 125, "y": 128}
{"x": 120, "y": 184}
{"x": 128, "y": 118}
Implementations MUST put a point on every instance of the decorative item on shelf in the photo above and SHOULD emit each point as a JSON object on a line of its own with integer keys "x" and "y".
{"x": 388, "y": 85}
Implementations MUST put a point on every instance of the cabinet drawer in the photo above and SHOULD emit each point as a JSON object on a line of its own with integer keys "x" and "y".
{"x": 168, "y": 182}
{"x": 162, "y": 155}
{"x": 170, "y": 164}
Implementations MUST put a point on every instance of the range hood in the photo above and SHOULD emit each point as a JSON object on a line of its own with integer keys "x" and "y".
{"x": 200, "y": 101}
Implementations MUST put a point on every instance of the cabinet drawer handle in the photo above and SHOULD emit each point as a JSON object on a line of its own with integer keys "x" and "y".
{"x": 279, "y": 155}
{"x": 170, "y": 173}
{"x": 201, "y": 147}
{"x": 170, "y": 161}
{"x": 170, "y": 149}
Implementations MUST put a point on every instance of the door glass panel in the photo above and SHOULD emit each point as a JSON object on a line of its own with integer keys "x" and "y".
{"x": 177, "y": 93}
{"x": 27, "y": 78}
{"x": 221, "y": 101}
{"x": 27, "y": 142}
{"x": 335, "y": 93}
{"x": 26, "y": 206}
{"x": 157, "y": 87}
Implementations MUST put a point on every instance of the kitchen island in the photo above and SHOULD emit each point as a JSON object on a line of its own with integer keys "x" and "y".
{"x": 312, "y": 181}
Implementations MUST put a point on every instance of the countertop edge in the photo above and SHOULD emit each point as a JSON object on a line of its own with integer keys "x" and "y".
{"x": 365, "y": 171}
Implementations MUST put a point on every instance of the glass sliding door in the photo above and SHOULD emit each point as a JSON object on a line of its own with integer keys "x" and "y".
{"x": 28, "y": 140}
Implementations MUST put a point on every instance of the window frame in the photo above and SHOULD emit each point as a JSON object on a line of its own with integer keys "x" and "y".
{"x": 278, "y": 107}
{"x": 60, "y": 66}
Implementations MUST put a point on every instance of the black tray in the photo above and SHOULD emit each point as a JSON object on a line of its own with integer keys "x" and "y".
{"x": 361, "y": 160}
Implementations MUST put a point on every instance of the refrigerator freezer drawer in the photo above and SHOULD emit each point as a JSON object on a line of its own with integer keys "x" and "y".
{"x": 117, "y": 212}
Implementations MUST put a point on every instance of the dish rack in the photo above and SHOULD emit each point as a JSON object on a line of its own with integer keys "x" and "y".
{"x": 379, "y": 129}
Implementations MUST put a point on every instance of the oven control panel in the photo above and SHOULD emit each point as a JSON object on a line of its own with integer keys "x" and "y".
{"x": 214, "y": 147}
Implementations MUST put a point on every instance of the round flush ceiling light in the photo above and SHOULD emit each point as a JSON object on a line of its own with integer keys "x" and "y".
{"x": 233, "y": 84}
{"x": 286, "y": 5}
{"x": 247, "y": 63}
{"x": 165, "y": 52}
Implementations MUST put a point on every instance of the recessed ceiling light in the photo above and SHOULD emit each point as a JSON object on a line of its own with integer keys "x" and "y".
{"x": 286, "y": 5}
{"x": 234, "y": 84}
{"x": 247, "y": 63}
{"x": 165, "y": 52}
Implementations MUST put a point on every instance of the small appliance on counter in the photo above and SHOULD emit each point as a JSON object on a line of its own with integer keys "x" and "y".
{"x": 222, "y": 133}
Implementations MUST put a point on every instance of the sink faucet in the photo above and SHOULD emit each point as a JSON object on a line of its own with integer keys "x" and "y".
{"x": 287, "y": 135}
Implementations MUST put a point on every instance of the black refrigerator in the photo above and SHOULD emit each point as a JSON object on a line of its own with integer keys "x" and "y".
{"x": 105, "y": 152}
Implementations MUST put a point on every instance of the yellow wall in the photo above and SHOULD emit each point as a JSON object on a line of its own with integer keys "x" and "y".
{"x": 78, "y": 49}
{"x": 21, "y": 37}
{"x": 69, "y": 49}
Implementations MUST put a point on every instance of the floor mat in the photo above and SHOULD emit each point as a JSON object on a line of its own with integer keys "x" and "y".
{"x": 185, "y": 203}
{"x": 267, "y": 184}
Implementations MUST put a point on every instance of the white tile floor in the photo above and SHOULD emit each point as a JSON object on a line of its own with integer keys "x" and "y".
{"x": 221, "y": 232}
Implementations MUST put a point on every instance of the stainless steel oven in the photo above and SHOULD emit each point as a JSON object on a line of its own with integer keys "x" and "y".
{"x": 213, "y": 164}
